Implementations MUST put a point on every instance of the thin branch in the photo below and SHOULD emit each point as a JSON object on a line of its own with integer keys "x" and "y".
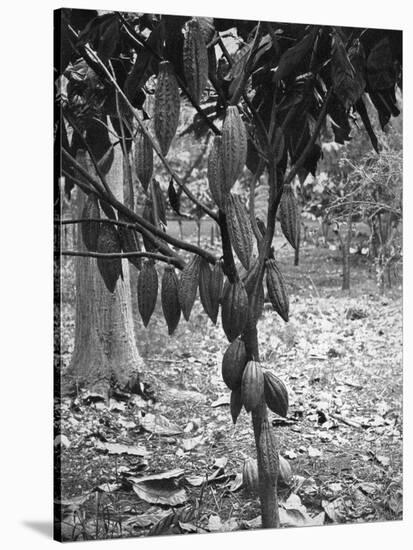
{"x": 253, "y": 184}
{"x": 114, "y": 255}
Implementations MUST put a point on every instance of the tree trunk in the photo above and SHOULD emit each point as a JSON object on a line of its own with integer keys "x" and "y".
{"x": 105, "y": 351}
{"x": 346, "y": 250}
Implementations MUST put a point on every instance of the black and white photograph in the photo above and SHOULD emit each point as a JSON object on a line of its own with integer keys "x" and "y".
{"x": 228, "y": 275}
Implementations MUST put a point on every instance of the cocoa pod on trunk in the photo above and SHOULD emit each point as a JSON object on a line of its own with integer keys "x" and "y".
{"x": 276, "y": 395}
{"x": 268, "y": 457}
{"x": 143, "y": 152}
{"x": 239, "y": 228}
{"x": 90, "y": 230}
{"x": 233, "y": 364}
{"x": 277, "y": 290}
{"x": 109, "y": 243}
{"x": 188, "y": 285}
{"x": 234, "y": 310}
{"x": 167, "y": 106}
{"x": 216, "y": 174}
{"x": 234, "y": 146}
{"x": 289, "y": 216}
{"x": 250, "y": 478}
{"x": 252, "y": 386}
{"x": 195, "y": 59}
{"x": 169, "y": 298}
{"x": 147, "y": 290}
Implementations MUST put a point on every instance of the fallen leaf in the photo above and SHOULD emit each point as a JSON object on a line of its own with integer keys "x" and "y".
{"x": 61, "y": 440}
{"x": 223, "y": 400}
{"x": 220, "y": 463}
{"x": 313, "y": 452}
{"x": 119, "y": 449}
{"x": 192, "y": 443}
{"x": 158, "y": 424}
{"x": 160, "y": 492}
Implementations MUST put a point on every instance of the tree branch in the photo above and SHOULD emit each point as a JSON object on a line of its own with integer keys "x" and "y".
{"x": 113, "y": 255}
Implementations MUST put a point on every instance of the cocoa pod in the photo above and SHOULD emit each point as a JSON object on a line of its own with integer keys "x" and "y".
{"x": 167, "y": 106}
{"x": 206, "y": 25}
{"x": 159, "y": 199}
{"x": 250, "y": 477}
{"x": 109, "y": 243}
{"x": 174, "y": 198}
{"x": 195, "y": 60}
{"x": 90, "y": 230}
{"x": 234, "y": 310}
{"x": 234, "y": 146}
{"x": 233, "y": 364}
{"x": 143, "y": 158}
{"x": 268, "y": 458}
{"x": 239, "y": 228}
{"x": 204, "y": 287}
{"x": 252, "y": 386}
{"x": 216, "y": 174}
{"x": 235, "y": 404}
{"x": 276, "y": 395}
{"x": 289, "y": 218}
{"x": 107, "y": 210}
{"x": 216, "y": 284}
{"x": 147, "y": 214}
{"x": 147, "y": 290}
{"x": 276, "y": 289}
{"x": 285, "y": 475}
{"x": 169, "y": 298}
{"x": 188, "y": 285}
{"x": 129, "y": 241}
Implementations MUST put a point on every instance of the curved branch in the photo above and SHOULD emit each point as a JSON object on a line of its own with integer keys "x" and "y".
{"x": 113, "y": 255}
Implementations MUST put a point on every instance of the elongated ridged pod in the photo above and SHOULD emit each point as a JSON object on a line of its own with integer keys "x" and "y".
{"x": 204, "y": 287}
{"x": 268, "y": 458}
{"x": 159, "y": 200}
{"x": 276, "y": 289}
{"x": 206, "y": 24}
{"x": 195, "y": 58}
{"x": 252, "y": 386}
{"x": 90, "y": 230}
{"x": 216, "y": 175}
{"x": 169, "y": 298}
{"x": 233, "y": 364}
{"x": 188, "y": 285}
{"x": 215, "y": 290}
{"x": 167, "y": 106}
{"x": 147, "y": 290}
{"x": 129, "y": 241}
{"x": 250, "y": 478}
{"x": 289, "y": 218}
{"x": 235, "y": 404}
{"x": 234, "y": 146}
{"x": 109, "y": 243}
{"x": 143, "y": 158}
{"x": 147, "y": 214}
{"x": 285, "y": 475}
{"x": 239, "y": 227}
{"x": 276, "y": 395}
{"x": 234, "y": 310}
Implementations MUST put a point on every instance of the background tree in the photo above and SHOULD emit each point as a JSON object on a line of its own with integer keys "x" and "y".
{"x": 266, "y": 105}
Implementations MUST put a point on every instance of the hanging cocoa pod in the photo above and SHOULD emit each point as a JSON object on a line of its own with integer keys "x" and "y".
{"x": 234, "y": 146}
{"x": 143, "y": 152}
{"x": 250, "y": 478}
{"x": 215, "y": 290}
{"x": 169, "y": 298}
{"x": 239, "y": 228}
{"x": 216, "y": 174}
{"x": 129, "y": 241}
{"x": 276, "y": 289}
{"x": 195, "y": 59}
{"x": 235, "y": 404}
{"x": 109, "y": 243}
{"x": 252, "y": 386}
{"x": 276, "y": 395}
{"x": 160, "y": 201}
{"x": 167, "y": 106}
{"x": 233, "y": 364}
{"x": 234, "y": 311}
{"x": 289, "y": 218}
{"x": 90, "y": 230}
{"x": 204, "y": 287}
{"x": 147, "y": 290}
{"x": 188, "y": 285}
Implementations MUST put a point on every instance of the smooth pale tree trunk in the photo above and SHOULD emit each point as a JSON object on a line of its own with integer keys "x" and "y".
{"x": 105, "y": 352}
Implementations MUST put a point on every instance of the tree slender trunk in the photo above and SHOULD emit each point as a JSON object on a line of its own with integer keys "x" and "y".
{"x": 105, "y": 351}
{"x": 346, "y": 250}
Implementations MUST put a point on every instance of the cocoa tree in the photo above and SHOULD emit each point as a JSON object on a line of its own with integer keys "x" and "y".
{"x": 263, "y": 91}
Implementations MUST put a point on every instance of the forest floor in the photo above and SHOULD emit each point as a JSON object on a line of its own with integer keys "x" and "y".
{"x": 173, "y": 464}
